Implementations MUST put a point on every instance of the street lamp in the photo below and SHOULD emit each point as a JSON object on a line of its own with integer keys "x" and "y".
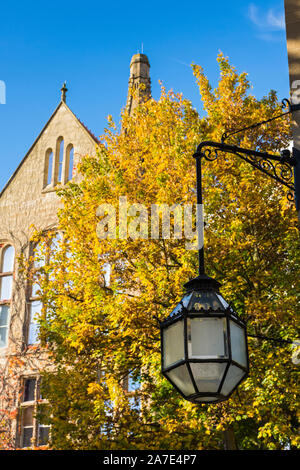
{"x": 204, "y": 344}
{"x": 203, "y": 341}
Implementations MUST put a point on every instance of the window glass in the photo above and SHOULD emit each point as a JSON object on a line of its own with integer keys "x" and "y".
{"x": 133, "y": 384}
{"x": 71, "y": 163}
{"x": 4, "y": 318}
{"x": 3, "y": 315}
{"x": 6, "y": 278}
{"x": 30, "y": 427}
{"x": 49, "y": 165}
{"x": 61, "y": 158}
{"x": 28, "y": 416}
{"x": 29, "y": 389}
{"x": 54, "y": 248}
{"x": 55, "y": 242}
{"x": 27, "y": 436}
{"x": 5, "y": 287}
{"x": 8, "y": 259}
{"x": 39, "y": 256}
{"x": 27, "y": 426}
{"x": 35, "y": 309}
{"x": 43, "y": 435}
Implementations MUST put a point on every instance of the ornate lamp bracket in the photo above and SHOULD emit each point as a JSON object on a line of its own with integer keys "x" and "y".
{"x": 279, "y": 167}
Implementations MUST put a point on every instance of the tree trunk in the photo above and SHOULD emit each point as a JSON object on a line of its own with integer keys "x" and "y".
{"x": 229, "y": 440}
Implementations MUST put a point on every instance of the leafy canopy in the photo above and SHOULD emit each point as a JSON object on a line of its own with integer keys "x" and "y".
{"x": 100, "y": 332}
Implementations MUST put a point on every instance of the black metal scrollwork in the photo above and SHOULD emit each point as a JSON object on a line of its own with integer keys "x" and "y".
{"x": 278, "y": 167}
{"x": 210, "y": 155}
{"x": 282, "y": 172}
{"x": 285, "y": 105}
{"x": 285, "y": 172}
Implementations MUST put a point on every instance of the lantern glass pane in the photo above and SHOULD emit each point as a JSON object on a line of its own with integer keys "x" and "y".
{"x": 208, "y": 376}
{"x": 205, "y": 300}
{"x": 176, "y": 311}
{"x": 179, "y": 307}
{"x": 173, "y": 343}
{"x": 238, "y": 344}
{"x": 181, "y": 378}
{"x": 223, "y": 301}
{"x": 205, "y": 399}
{"x": 207, "y": 338}
{"x": 185, "y": 300}
{"x": 233, "y": 376}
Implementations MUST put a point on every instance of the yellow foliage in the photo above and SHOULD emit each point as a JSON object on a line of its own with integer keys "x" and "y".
{"x": 100, "y": 332}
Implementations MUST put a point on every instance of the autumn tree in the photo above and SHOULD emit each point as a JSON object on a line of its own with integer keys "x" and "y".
{"x": 104, "y": 297}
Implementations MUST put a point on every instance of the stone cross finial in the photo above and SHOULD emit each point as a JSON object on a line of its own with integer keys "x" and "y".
{"x": 64, "y": 90}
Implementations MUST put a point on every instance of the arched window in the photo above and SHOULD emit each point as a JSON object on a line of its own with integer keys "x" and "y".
{"x": 32, "y": 432}
{"x": 34, "y": 303}
{"x": 6, "y": 278}
{"x": 48, "y": 167}
{"x": 55, "y": 245}
{"x": 64, "y": 162}
{"x": 7, "y": 268}
{"x": 39, "y": 255}
{"x": 41, "y": 258}
{"x": 35, "y": 308}
{"x": 69, "y": 162}
{"x": 59, "y": 160}
{"x": 55, "y": 242}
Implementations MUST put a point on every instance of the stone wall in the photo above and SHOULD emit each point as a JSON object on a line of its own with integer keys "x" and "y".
{"x": 27, "y": 204}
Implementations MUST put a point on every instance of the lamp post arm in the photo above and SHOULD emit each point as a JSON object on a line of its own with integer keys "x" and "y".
{"x": 267, "y": 338}
{"x": 283, "y": 158}
{"x": 199, "y": 203}
{"x": 279, "y": 167}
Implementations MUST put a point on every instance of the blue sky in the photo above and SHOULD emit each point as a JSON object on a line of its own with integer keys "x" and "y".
{"x": 90, "y": 45}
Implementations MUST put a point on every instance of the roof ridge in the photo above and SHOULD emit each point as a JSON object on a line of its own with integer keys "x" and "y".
{"x": 61, "y": 103}
{"x": 88, "y": 130}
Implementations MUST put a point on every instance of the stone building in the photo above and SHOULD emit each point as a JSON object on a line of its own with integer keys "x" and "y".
{"x": 292, "y": 22}
{"x": 28, "y": 202}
